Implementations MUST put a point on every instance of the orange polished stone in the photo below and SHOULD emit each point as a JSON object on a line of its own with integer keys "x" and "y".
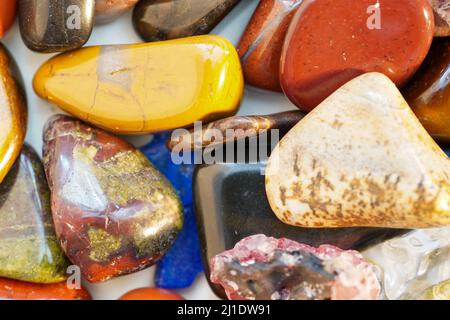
{"x": 18, "y": 290}
{"x": 7, "y": 15}
{"x": 13, "y": 112}
{"x": 428, "y": 92}
{"x": 330, "y": 42}
{"x": 151, "y": 294}
{"x": 261, "y": 44}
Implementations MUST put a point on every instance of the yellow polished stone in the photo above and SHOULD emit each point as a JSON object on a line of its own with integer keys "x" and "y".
{"x": 136, "y": 88}
{"x": 13, "y": 112}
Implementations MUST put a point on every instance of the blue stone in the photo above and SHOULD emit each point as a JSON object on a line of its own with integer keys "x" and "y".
{"x": 182, "y": 263}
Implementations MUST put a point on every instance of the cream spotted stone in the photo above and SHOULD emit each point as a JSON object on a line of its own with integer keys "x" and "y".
{"x": 361, "y": 158}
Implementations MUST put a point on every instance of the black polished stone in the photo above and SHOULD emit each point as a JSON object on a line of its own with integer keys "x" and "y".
{"x": 157, "y": 20}
{"x": 231, "y": 204}
{"x": 55, "y": 25}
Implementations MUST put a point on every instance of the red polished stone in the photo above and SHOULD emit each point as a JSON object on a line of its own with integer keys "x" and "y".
{"x": 151, "y": 294}
{"x": 18, "y": 290}
{"x": 330, "y": 42}
{"x": 261, "y": 44}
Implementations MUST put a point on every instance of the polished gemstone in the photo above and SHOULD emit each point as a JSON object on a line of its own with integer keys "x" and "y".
{"x": 261, "y": 44}
{"x": 114, "y": 212}
{"x": 55, "y": 25}
{"x": 428, "y": 92}
{"x": 151, "y": 294}
{"x": 18, "y": 290}
{"x": 29, "y": 250}
{"x": 231, "y": 204}
{"x": 330, "y": 42}
{"x": 108, "y": 10}
{"x": 264, "y": 268}
{"x": 440, "y": 291}
{"x": 157, "y": 20}
{"x": 145, "y": 87}
{"x": 361, "y": 158}
{"x": 413, "y": 263}
{"x": 7, "y": 15}
{"x": 13, "y": 112}
{"x": 441, "y": 17}
{"x": 217, "y": 132}
{"x": 182, "y": 263}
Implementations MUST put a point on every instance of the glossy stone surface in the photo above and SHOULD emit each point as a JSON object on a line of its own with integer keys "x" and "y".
{"x": 182, "y": 263}
{"x": 191, "y": 79}
{"x": 114, "y": 212}
{"x": 441, "y": 10}
{"x": 320, "y": 57}
{"x": 151, "y": 294}
{"x": 18, "y": 290}
{"x": 264, "y": 268}
{"x": 157, "y": 20}
{"x": 7, "y": 15}
{"x": 414, "y": 262}
{"x": 361, "y": 158}
{"x": 29, "y": 250}
{"x": 231, "y": 204}
{"x": 215, "y": 133}
{"x": 440, "y": 291}
{"x": 13, "y": 112}
{"x": 261, "y": 44}
{"x": 55, "y": 25}
{"x": 428, "y": 92}
{"x": 108, "y": 10}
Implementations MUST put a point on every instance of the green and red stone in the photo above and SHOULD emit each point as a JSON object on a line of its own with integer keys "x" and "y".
{"x": 114, "y": 212}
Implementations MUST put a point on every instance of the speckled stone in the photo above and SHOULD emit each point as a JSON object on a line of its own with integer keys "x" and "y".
{"x": 29, "y": 250}
{"x": 114, "y": 212}
{"x": 55, "y": 25}
{"x": 157, "y": 20}
{"x": 361, "y": 158}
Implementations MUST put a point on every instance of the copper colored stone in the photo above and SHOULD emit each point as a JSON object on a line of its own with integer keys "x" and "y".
{"x": 261, "y": 44}
{"x": 18, "y": 290}
{"x": 156, "y": 20}
{"x": 114, "y": 213}
{"x": 108, "y": 10}
{"x": 428, "y": 93}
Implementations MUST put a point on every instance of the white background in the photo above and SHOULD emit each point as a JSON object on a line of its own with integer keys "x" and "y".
{"x": 120, "y": 32}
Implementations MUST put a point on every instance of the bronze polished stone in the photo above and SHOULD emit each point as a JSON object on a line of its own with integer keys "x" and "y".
{"x": 55, "y": 25}
{"x": 156, "y": 20}
{"x": 108, "y": 10}
{"x": 428, "y": 92}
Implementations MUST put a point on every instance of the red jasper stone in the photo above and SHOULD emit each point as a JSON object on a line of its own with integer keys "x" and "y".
{"x": 261, "y": 44}
{"x": 330, "y": 42}
{"x": 18, "y": 290}
{"x": 7, "y": 15}
{"x": 151, "y": 294}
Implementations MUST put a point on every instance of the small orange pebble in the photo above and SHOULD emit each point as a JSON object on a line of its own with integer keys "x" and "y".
{"x": 151, "y": 294}
{"x": 19, "y": 290}
{"x": 7, "y": 15}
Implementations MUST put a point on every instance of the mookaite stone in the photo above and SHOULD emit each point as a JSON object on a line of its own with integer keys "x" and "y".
{"x": 182, "y": 263}
{"x": 151, "y": 294}
{"x": 361, "y": 158}
{"x": 108, "y": 10}
{"x": 114, "y": 212}
{"x": 13, "y": 112}
{"x": 18, "y": 290}
{"x": 147, "y": 87}
{"x": 217, "y": 132}
{"x": 428, "y": 92}
{"x": 157, "y": 20}
{"x": 441, "y": 17}
{"x": 7, "y": 15}
{"x": 29, "y": 250}
{"x": 56, "y": 25}
{"x": 330, "y": 42}
{"x": 262, "y": 268}
{"x": 231, "y": 204}
{"x": 261, "y": 44}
